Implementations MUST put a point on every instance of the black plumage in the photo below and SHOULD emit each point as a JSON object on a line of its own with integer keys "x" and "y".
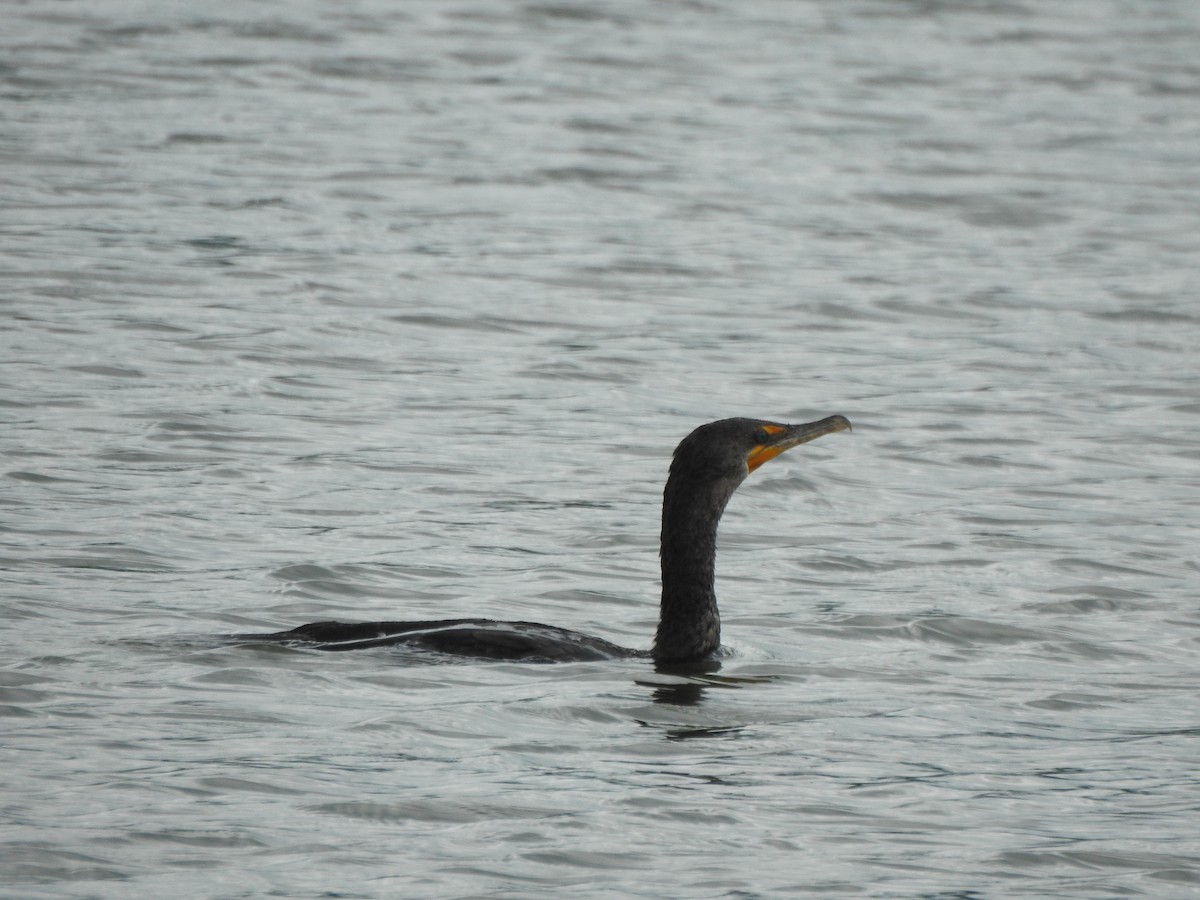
{"x": 706, "y": 469}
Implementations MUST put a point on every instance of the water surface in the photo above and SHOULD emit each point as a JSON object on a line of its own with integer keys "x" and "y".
{"x": 378, "y": 311}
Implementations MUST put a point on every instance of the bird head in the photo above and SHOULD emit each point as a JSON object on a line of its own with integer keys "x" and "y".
{"x": 730, "y": 449}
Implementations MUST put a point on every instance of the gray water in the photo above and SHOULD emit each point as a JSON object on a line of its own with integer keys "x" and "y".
{"x": 385, "y": 310}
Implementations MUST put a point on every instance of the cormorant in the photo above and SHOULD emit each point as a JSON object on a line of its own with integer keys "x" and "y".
{"x": 707, "y": 468}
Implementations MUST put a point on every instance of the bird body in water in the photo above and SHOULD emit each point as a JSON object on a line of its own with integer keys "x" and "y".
{"x": 707, "y": 468}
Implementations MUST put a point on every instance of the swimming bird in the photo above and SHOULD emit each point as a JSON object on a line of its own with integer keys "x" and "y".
{"x": 706, "y": 469}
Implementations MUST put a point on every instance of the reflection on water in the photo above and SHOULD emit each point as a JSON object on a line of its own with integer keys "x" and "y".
{"x": 378, "y": 312}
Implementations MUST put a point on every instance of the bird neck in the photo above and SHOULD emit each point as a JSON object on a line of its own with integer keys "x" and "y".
{"x": 689, "y": 624}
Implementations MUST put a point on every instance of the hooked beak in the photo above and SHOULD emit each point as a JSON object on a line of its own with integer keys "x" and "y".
{"x": 784, "y": 437}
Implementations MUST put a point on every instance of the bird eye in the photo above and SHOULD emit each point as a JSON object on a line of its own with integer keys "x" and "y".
{"x": 761, "y": 436}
